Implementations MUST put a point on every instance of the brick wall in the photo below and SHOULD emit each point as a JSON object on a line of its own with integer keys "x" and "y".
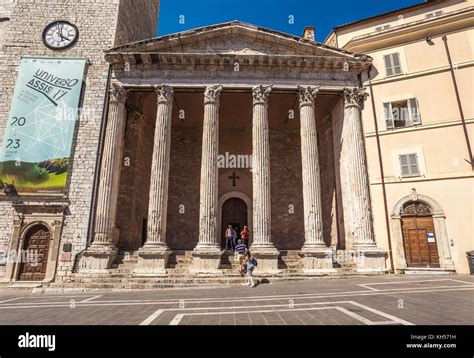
{"x": 97, "y": 21}
{"x": 135, "y": 176}
{"x": 137, "y": 20}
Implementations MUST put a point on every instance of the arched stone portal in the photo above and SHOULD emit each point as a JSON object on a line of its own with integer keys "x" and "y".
{"x": 436, "y": 214}
{"x": 232, "y": 200}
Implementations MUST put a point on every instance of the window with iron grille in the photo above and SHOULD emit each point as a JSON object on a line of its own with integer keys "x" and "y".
{"x": 409, "y": 165}
{"x": 392, "y": 64}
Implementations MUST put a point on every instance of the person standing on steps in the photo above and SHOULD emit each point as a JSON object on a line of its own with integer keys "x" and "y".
{"x": 241, "y": 251}
{"x": 236, "y": 235}
{"x": 251, "y": 265}
{"x": 229, "y": 236}
{"x": 245, "y": 234}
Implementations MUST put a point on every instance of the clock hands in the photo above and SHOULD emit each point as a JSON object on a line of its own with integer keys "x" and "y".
{"x": 60, "y": 35}
{"x": 61, "y": 31}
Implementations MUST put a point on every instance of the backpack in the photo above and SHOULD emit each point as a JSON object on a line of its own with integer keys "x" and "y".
{"x": 255, "y": 262}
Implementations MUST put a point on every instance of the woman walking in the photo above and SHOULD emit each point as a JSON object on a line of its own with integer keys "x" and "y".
{"x": 251, "y": 265}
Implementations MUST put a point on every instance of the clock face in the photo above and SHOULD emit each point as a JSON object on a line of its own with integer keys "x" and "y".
{"x": 60, "y": 35}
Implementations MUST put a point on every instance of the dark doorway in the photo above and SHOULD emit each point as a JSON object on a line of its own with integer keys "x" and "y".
{"x": 234, "y": 212}
{"x": 34, "y": 257}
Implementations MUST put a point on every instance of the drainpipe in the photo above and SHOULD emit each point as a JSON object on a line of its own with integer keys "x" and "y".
{"x": 458, "y": 98}
{"x": 382, "y": 173}
{"x": 95, "y": 187}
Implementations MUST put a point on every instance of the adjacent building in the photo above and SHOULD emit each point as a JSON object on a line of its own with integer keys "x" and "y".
{"x": 419, "y": 129}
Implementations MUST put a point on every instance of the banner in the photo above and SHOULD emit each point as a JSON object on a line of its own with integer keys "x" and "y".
{"x": 36, "y": 148}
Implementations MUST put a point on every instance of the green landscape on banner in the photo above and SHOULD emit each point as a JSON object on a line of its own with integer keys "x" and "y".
{"x": 36, "y": 148}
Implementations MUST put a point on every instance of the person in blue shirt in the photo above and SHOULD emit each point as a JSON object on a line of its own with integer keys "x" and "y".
{"x": 241, "y": 250}
{"x": 251, "y": 265}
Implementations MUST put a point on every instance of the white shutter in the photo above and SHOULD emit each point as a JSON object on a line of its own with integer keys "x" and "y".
{"x": 414, "y": 111}
{"x": 388, "y": 115}
{"x": 404, "y": 166}
{"x": 397, "y": 68}
{"x": 413, "y": 161}
{"x": 388, "y": 65}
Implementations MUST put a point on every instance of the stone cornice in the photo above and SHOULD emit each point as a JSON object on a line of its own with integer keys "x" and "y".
{"x": 183, "y": 61}
{"x": 237, "y": 29}
{"x": 412, "y": 31}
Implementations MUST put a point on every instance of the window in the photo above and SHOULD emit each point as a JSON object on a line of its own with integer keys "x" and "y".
{"x": 382, "y": 28}
{"x": 392, "y": 64}
{"x": 401, "y": 114}
{"x": 434, "y": 14}
{"x": 409, "y": 165}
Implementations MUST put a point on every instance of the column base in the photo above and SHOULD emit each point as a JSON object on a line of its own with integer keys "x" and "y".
{"x": 97, "y": 259}
{"x": 206, "y": 260}
{"x": 317, "y": 259}
{"x": 152, "y": 261}
{"x": 370, "y": 259}
{"x": 267, "y": 257}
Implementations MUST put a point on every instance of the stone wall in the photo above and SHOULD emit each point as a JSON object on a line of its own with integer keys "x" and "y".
{"x": 337, "y": 118}
{"x": 185, "y": 172}
{"x": 135, "y": 176}
{"x": 137, "y": 20}
{"x": 97, "y": 23}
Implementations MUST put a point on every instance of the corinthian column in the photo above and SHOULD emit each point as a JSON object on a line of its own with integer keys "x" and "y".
{"x": 317, "y": 256}
{"x": 262, "y": 246}
{"x": 101, "y": 253}
{"x": 153, "y": 257}
{"x": 355, "y": 191}
{"x": 207, "y": 253}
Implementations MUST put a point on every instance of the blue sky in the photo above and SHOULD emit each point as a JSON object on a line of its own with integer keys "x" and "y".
{"x": 273, "y": 14}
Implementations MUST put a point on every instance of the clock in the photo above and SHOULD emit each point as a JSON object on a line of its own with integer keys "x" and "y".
{"x": 60, "y": 35}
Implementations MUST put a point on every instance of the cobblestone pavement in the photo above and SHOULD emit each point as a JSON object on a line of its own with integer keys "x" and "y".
{"x": 382, "y": 300}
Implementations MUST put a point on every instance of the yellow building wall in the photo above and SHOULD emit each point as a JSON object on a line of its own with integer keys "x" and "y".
{"x": 347, "y": 34}
{"x": 439, "y": 141}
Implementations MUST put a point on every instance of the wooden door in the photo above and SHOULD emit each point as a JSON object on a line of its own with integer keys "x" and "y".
{"x": 234, "y": 212}
{"x": 421, "y": 249}
{"x": 35, "y": 257}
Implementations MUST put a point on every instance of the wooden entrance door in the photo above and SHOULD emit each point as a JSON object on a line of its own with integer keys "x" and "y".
{"x": 35, "y": 258}
{"x": 421, "y": 249}
{"x": 234, "y": 212}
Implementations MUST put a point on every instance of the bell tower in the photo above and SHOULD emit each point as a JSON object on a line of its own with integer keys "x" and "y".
{"x": 58, "y": 31}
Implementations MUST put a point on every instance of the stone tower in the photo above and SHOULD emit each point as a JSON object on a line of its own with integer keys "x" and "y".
{"x": 101, "y": 24}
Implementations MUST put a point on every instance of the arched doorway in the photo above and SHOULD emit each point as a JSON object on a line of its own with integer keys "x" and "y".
{"x": 34, "y": 256}
{"x": 419, "y": 238}
{"x": 235, "y": 213}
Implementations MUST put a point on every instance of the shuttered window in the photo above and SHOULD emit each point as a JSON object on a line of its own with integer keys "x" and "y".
{"x": 409, "y": 165}
{"x": 392, "y": 64}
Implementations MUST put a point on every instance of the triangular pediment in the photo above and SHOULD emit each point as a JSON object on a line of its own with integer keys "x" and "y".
{"x": 234, "y": 38}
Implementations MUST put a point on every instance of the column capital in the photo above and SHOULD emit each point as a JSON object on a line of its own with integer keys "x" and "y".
{"x": 164, "y": 93}
{"x": 306, "y": 95}
{"x": 355, "y": 97}
{"x": 118, "y": 93}
{"x": 212, "y": 94}
{"x": 261, "y": 94}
